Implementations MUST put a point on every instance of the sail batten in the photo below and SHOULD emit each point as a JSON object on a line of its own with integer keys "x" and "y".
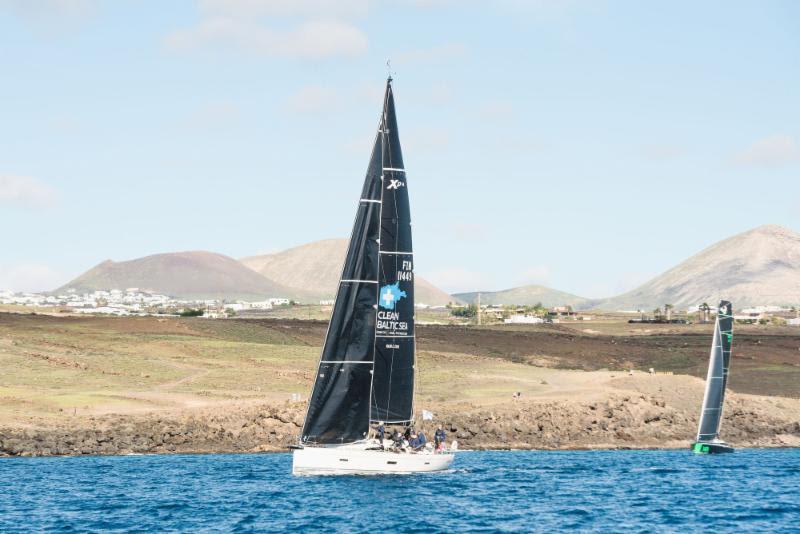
{"x": 372, "y": 323}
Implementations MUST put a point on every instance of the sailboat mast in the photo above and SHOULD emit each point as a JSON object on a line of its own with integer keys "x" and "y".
{"x": 382, "y": 134}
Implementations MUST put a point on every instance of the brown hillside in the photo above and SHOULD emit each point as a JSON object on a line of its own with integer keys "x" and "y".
{"x": 757, "y": 267}
{"x": 316, "y": 266}
{"x": 194, "y": 275}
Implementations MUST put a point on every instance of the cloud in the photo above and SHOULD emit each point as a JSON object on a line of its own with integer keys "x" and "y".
{"x": 773, "y": 151}
{"x": 285, "y": 8}
{"x": 433, "y": 54}
{"x": 25, "y": 191}
{"x": 29, "y": 277}
{"x": 305, "y": 29}
{"x": 313, "y": 99}
{"x": 48, "y": 9}
{"x": 314, "y": 39}
{"x": 51, "y": 17}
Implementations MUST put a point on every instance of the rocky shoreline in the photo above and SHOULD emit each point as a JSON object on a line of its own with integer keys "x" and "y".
{"x": 621, "y": 421}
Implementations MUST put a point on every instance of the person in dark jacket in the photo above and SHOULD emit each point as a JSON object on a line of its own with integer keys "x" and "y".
{"x": 381, "y": 431}
{"x": 421, "y": 441}
{"x": 414, "y": 443}
{"x": 439, "y": 437}
{"x": 397, "y": 439}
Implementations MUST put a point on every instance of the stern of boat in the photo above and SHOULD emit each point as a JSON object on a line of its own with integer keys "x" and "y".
{"x": 701, "y": 447}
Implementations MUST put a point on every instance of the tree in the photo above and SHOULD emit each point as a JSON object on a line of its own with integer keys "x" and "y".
{"x": 467, "y": 311}
{"x": 191, "y": 312}
{"x": 539, "y": 309}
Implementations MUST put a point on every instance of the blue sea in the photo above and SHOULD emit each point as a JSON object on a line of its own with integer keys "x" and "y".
{"x": 631, "y": 491}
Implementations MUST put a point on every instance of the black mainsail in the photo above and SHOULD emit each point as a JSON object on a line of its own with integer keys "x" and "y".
{"x": 717, "y": 380}
{"x": 366, "y": 371}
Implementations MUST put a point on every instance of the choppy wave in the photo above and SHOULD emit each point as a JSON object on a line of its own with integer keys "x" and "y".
{"x": 520, "y": 491}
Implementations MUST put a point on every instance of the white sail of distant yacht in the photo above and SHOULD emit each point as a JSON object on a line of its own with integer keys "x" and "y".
{"x": 366, "y": 370}
{"x": 708, "y": 441}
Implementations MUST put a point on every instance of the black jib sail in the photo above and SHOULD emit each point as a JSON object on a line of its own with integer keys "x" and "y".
{"x": 366, "y": 371}
{"x": 719, "y": 363}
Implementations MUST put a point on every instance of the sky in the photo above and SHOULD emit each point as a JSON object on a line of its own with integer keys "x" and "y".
{"x": 582, "y": 145}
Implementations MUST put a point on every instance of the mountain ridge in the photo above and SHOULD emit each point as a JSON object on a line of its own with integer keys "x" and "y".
{"x": 528, "y": 295}
{"x": 189, "y": 274}
{"x": 316, "y": 267}
{"x": 760, "y": 266}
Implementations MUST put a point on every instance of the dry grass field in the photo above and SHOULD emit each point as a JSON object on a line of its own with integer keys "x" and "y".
{"x": 109, "y": 385}
{"x": 50, "y": 365}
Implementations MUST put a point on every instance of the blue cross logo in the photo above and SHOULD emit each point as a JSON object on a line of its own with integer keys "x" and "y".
{"x": 390, "y": 295}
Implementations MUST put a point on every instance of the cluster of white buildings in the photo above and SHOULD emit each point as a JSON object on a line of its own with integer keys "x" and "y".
{"x": 132, "y": 301}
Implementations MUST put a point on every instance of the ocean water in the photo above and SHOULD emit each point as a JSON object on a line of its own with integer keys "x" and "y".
{"x": 631, "y": 491}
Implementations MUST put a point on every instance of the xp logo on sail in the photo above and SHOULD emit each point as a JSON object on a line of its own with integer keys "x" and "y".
{"x": 390, "y": 295}
{"x": 395, "y": 184}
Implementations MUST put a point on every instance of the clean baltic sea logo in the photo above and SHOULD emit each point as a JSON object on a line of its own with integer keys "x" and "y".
{"x": 390, "y": 295}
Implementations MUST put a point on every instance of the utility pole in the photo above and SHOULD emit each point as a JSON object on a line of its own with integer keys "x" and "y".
{"x": 479, "y": 309}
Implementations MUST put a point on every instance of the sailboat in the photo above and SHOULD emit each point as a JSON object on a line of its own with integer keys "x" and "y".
{"x": 366, "y": 371}
{"x": 708, "y": 441}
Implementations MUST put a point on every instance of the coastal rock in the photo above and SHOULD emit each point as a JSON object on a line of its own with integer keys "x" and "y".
{"x": 620, "y": 421}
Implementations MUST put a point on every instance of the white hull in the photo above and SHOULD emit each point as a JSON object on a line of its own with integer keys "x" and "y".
{"x": 356, "y": 460}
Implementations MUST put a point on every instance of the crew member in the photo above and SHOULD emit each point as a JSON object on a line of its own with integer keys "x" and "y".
{"x": 439, "y": 438}
{"x": 381, "y": 430}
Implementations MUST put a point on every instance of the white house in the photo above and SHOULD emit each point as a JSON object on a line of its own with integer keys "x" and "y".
{"x": 523, "y": 319}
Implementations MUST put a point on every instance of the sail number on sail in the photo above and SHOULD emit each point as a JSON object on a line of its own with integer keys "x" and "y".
{"x": 393, "y": 299}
